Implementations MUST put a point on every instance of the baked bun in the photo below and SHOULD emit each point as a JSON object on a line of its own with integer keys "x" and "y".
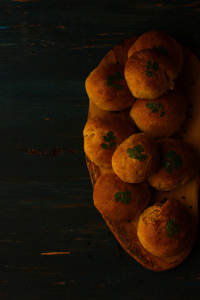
{"x": 102, "y": 136}
{"x": 160, "y": 117}
{"x": 161, "y": 41}
{"x": 107, "y": 88}
{"x": 136, "y": 158}
{"x": 177, "y": 166}
{"x": 118, "y": 200}
{"x": 149, "y": 74}
{"x": 165, "y": 230}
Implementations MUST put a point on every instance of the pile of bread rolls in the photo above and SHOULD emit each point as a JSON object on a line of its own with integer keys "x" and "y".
{"x": 144, "y": 155}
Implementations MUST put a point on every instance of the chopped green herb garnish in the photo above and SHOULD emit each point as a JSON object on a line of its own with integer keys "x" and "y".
{"x": 136, "y": 153}
{"x": 162, "y": 113}
{"x": 109, "y": 138}
{"x": 172, "y": 228}
{"x": 151, "y": 67}
{"x": 161, "y": 49}
{"x": 172, "y": 160}
{"x": 112, "y": 80}
{"x": 152, "y": 105}
{"x": 123, "y": 196}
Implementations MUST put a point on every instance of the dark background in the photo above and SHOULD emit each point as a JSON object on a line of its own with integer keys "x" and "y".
{"x": 53, "y": 242}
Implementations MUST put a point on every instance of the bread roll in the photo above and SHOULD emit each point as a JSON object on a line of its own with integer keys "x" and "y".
{"x": 118, "y": 200}
{"x": 107, "y": 88}
{"x": 136, "y": 158}
{"x": 160, "y": 117}
{"x": 178, "y": 165}
{"x": 102, "y": 136}
{"x": 163, "y": 42}
{"x": 165, "y": 230}
{"x": 149, "y": 74}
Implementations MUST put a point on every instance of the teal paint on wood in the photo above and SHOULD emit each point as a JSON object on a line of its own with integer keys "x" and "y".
{"x": 53, "y": 242}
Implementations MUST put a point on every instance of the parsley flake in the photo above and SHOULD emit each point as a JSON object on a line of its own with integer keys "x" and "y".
{"x": 109, "y": 138}
{"x": 172, "y": 228}
{"x": 172, "y": 160}
{"x": 136, "y": 153}
{"x": 151, "y": 67}
{"x": 112, "y": 80}
{"x": 124, "y": 197}
{"x": 152, "y": 105}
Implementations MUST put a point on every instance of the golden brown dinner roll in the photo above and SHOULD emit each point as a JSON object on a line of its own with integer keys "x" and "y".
{"x": 107, "y": 88}
{"x": 118, "y": 200}
{"x": 177, "y": 166}
{"x": 165, "y": 230}
{"x": 149, "y": 74}
{"x": 162, "y": 42}
{"x": 136, "y": 158}
{"x": 102, "y": 136}
{"x": 160, "y": 117}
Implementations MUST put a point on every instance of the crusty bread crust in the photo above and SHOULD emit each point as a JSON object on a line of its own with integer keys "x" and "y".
{"x": 156, "y": 39}
{"x": 152, "y": 231}
{"x": 140, "y": 83}
{"x": 163, "y": 180}
{"x": 94, "y": 131}
{"x": 106, "y": 96}
{"x": 104, "y": 197}
{"x": 133, "y": 170}
{"x": 166, "y": 121}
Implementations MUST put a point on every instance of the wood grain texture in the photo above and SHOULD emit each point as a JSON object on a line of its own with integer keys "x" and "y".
{"x": 47, "y": 49}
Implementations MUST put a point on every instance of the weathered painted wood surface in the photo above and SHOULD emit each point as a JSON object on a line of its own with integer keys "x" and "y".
{"x": 53, "y": 242}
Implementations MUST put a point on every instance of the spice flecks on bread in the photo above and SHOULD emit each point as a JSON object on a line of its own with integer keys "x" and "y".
{"x": 136, "y": 158}
{"x": 102, "y": 136}
{"x": 160, "y": 117}
{"x": 108, "y": 89}
{"x": 162, "y": 42}
{"x": 149, "y": 74}
{"x": 118, "y": 200}
{"x": 177, "y": 165}
{"x": 164, "y": 229}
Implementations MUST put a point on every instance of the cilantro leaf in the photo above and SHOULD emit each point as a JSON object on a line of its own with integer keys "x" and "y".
{"x": 123, "y": 197}
{"x": 106, "y": 138}
{"x": 150, "y": 73}
{"x": 162, "y": 114}
{"x": 168, "y": 167}
{"x": 172, "y": 160}
{"x": 112, "y": 80}
{"x": 149, "y": 64}
{"x": 127, "y": 193}
{"x": 155, "y": 66}
{"x": 149, "y": 105}
{"x": 109, "y": 138}
{"x": 177, "y": 162}
{"x": 136, "y": 153}
{"x": 118, "y": 196}
{"x": 110, "y": 135}
{"x": 104, "y": 146}
{"x": 151, "y": 67}
{"x": 152, "y": 105}
{"x": 172, "y": 228}
{"x": 112, "y": 144}
{"x": 109, "y": 81}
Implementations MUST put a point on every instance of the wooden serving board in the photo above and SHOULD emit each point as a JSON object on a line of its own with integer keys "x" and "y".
{"x": 125, "y": 232}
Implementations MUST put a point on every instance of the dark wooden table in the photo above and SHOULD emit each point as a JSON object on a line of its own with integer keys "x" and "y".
{"x": 53, "y": 242}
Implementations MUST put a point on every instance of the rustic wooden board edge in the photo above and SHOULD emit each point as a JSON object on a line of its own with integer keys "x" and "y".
{"x": 124, "y": 232}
